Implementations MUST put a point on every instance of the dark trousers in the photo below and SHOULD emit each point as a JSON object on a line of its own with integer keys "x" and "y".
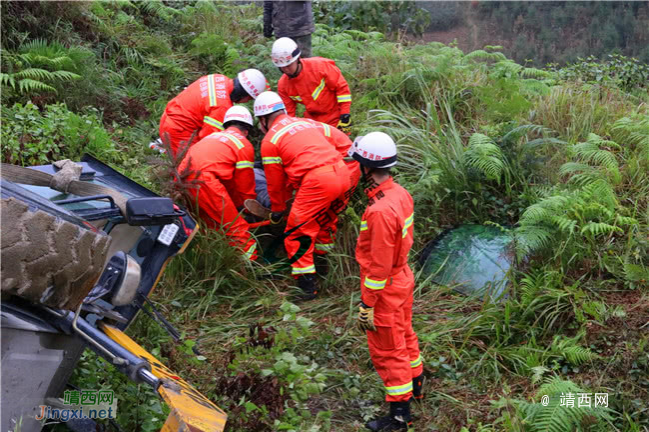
{"x": 304, "y": 43}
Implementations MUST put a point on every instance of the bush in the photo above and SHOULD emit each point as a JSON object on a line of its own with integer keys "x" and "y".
{"x": 31, "y": 137}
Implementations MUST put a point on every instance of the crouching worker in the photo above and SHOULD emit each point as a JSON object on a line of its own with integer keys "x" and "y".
{"x": 387, "y": 283}
{"x": 220, "y": 167}
{"x": 296, "y": 155}
{"x": 201, "y": 107}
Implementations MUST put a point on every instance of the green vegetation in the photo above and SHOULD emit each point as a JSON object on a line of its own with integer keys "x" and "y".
{"x": 561, "y": 154}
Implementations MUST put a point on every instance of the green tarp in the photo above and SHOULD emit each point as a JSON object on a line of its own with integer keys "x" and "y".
{"x": 473, "y": 259}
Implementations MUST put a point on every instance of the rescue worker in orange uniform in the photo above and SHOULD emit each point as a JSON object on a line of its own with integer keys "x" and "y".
{"x": 387, "y": 282}
{"x": 223, "y": 163}
{"x": 315, "y": 82}
{"x": 203, "y": 104}
{"x": 341, "y": 142}
{"x": 296, "y": 156}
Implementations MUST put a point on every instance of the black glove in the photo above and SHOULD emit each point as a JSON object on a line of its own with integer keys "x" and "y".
{"x": 268, "y": 31}
{"x": 276, "y": 217}
{"x": 366, "y": 318}
{"x": 345, "y": 123}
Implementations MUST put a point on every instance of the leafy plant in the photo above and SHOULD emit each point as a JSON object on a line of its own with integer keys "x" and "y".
{"x": 31, "y": 138}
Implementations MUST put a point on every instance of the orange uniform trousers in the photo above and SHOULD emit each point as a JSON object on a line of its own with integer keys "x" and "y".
{"x": 218, "y": 212}
{"x": 177, "y": 134}
{"x": 319, "y": 199}
{"x": 394, "y": 347}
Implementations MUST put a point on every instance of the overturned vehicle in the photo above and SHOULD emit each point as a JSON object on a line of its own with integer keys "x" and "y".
{"x": 82, "y": 249}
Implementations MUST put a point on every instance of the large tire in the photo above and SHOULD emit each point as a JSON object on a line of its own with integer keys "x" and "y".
{"x": 46, "y": 259}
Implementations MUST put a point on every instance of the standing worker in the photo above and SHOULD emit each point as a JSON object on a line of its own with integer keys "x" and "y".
{"x": 387, "y": 282}
{"x": 296, "y": 155}
{"x": 293, "y": 19}
{"x": 222, "y": 163}
{"x": 202, "y": 105}
{"x": 315, "y": 82}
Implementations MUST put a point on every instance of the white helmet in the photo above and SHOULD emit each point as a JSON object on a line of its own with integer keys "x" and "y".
{"x": 238, "y": 113}
{"x": 374, "y": 150}
{"x": 285, "y": 52}
{"x": 253, "y": 82}
{"x": 268, "y": 102}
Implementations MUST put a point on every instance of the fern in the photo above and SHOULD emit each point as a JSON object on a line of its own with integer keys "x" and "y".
{"x": 484, "y": 155}
{"x": 484, "y": 55}
{"x": 554, "y": 417}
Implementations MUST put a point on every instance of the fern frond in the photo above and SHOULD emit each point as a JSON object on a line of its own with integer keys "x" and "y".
{"x": 599, "y": 228}
{"x": 535, "y": 73}
{"x": 527, "y": 129}
{"x": 29, "y": 85}
{"x": 65, "y": 75}
{"x": 484, "y": 155}
{"x": 35, "y": 74}
{"x": 484, "y": 55}
{"x": 623, "y": 220}
{"x": 635, "y": 272}
{"x": 8, "y": 79}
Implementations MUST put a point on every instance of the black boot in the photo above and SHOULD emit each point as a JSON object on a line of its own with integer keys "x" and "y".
{"x": 307, "y": 283}
{"x": 398, "y": 420}
{"x": 417, "y": 387}
{"x": 321, "y": 265}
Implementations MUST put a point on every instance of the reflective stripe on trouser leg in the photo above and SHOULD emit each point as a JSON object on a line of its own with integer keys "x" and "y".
{"x": 412, "y": 342}
{"x": 219, "y": 212}
{"x": 390, "y": 358}
{"x": 308, "y": 213}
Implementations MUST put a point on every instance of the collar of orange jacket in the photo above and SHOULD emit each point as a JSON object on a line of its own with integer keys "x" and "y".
{"x": 371, "y": 191}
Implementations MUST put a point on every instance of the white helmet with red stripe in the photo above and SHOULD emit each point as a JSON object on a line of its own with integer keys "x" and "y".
{"x": 253, "y": 82}
{"x": 285, "y": 52}
{"x": 374, "y": 150}
{"x": 238, "y": 113}
{"x": 268, "y": 102}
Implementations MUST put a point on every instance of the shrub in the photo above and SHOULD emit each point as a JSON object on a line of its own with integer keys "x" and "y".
{"x": 31, "y": 137}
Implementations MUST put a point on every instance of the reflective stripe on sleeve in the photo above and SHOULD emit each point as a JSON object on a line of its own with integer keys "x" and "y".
{"x": 245, "y": 164}
{"x": 271, "y": 160}
{"x": 296, "y": 98}
{"x": 251, "y": 250}
{"x": 363, "y": 225}
{"x": 374, "y": 284}
{"x": 344, "y": 98}
{"x": 415, "y": 363}
{"x": 213, "y": 122}
{"x": 407, "y": 224}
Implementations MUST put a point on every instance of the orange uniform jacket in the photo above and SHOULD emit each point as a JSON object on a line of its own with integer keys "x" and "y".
{"x": 202, "y": 105}
{"x": 386, "y": 236}
{"x": 290, "y": 149}
{"x": 229, "y": 157}
{"x": 320, "y": 87}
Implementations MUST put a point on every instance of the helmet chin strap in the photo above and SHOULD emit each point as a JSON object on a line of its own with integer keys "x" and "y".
{"x": 297, "y": 70}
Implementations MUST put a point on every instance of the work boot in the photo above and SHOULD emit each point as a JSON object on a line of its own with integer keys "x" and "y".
{"x": 418, "y": 387}
{"x": 398, "y": 420}
{"x": 308, "y": 285}
{"x": 321, "y": 265}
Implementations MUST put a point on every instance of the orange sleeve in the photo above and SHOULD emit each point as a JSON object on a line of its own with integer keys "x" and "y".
{"x": 244, "y": 176}
{"x": 289, "y": 103}
{"x": 336, "y": 81}
{"x": 275, "y": 176}
{"x": 212, "y": 122}
{"x": 382, "y": 233}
